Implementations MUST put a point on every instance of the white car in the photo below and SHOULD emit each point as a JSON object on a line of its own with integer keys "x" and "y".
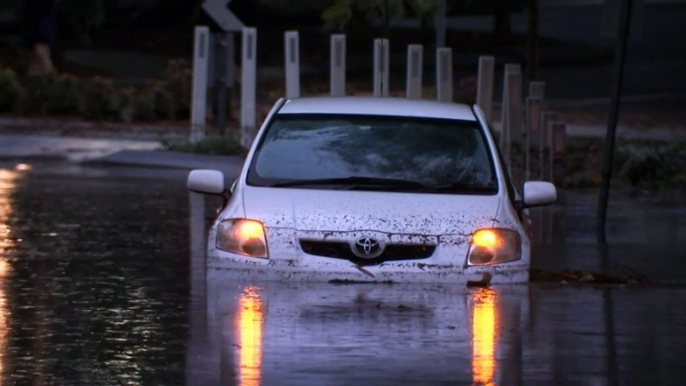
{"x": 366, "y": 189}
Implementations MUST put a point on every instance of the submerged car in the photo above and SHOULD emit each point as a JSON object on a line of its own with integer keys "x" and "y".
{"x": 372, "y": 189}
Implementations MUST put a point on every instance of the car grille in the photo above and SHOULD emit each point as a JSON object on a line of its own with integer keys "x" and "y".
{"x": 392, "y": 252}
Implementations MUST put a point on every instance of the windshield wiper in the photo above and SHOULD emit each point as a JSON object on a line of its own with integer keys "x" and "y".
{"x": 357, "y": 181}
{"x": 458, "y": 187}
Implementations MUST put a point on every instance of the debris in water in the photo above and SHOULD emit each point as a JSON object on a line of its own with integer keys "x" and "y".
{"x": 574, "y": 276}
{"x": 483, "y": 283}
{"x": 365, "y": 271}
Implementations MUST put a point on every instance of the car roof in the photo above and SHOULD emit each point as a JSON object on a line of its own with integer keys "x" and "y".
{"x": 402, "y": 107}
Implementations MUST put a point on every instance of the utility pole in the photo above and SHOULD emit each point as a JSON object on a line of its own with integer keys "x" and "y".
{"x": 441, "y": 24}
{"x": 532, "y": 41}
{"x": 620, "y": 58}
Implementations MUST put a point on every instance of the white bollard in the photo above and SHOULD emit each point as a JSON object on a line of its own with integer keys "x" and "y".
{"x": 292, "y": 53}
{"x": 484, "y": 90}
{"x": 415, "y": 56}
{"x": 381, "y": 67}
{"x": 337, "y": 84}
{"x": 199, "y": 97}
{"x": 444, "y": 74}
{"x": 248, "y": 86}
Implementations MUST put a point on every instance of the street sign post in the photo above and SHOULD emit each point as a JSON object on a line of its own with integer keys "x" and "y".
{"x": 223, "y": 55}
{"x": 218, "y": 11}
{"x": 620, "y": 56}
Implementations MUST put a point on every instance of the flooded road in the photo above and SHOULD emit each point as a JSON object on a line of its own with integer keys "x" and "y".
{"x": 102, "y": 283}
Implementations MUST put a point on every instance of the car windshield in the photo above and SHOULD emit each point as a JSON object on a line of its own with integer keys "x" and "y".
{"x": 326, "y": 151}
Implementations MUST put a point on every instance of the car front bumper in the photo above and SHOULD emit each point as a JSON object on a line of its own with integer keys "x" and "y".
{"x": 321, "y": 270}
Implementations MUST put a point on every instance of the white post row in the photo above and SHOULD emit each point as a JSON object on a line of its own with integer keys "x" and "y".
{"x": 381, "y": 67}
{"x": 248, "y": 86}
{"x": 444, "y": 74}
{"x": 292, "y": 53}
{"x": 337, "y": 76}
{"x": 415, "y": 57}
{"x": 484, "y": 90}
{"x": 199, "y": 93}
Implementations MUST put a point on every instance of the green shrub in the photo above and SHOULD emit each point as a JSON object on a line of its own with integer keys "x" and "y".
{"x": 10, "y": 90}
{"x": 653, "y": 165}
{"x": 101, "y": 99}
{"x": 144, "y": 106}
{"x": 178, "y": 80}
{"x": 35, "y": 99}
{"x": 163, "y": 101}
{"x": 125, "y": 99}
{"x": 62, "y": 95}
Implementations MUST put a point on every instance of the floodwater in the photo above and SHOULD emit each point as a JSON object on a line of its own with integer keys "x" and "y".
{"x": 102, "y": 282}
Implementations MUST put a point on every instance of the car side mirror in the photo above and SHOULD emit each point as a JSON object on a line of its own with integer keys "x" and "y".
{"x": 206, "y": 182}
{"x": 539, "y": 193}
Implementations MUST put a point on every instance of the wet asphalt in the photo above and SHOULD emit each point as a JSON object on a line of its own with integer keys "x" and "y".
{"x": 102, "y": 282}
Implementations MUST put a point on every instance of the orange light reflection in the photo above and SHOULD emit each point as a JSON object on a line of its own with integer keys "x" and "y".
{"x": 249, "y": 324}
{"x": 484, "y": 336}
{"x": 8, "y": 185}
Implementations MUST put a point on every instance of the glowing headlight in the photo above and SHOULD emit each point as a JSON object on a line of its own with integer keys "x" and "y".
{"x": 494, "y": 246}
{"x": 242, "y": 236}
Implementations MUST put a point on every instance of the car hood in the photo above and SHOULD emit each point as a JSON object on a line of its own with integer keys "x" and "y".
{"x": 343, "y": 211}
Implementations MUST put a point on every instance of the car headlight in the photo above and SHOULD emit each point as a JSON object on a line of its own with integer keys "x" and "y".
{"x": 242, "y": 236}
{"x": 494, "y": 246}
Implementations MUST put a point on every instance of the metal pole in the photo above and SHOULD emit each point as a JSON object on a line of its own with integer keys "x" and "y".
{"x": 444, "y": 74}
{"x": 337, "y": 65}
{"x": 484, "y": 88}
{"x": 221, "y": 83}
{"x": 415, "y": 53}
{"x": 620, "y": 56}
{"x": 441, "y": 24}
{"x": 532, "y": 41}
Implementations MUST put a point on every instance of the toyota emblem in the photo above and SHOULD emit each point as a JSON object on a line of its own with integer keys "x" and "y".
{"x": 367, "y": 248}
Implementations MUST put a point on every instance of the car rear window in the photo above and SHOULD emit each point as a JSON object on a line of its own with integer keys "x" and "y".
{"x": 319, "y": 146}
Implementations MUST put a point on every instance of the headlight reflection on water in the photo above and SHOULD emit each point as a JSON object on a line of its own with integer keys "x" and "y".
{"x": 249, "y": 325}
{"x": 8, "y": 184}
{"x": 484, "y": 336}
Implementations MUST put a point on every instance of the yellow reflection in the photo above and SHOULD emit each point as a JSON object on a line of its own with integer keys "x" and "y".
{"x": 4, "y": 267}
{"x": 23, "y": 167}
{"x": 484, "y": 336}
{"x": 249, "y": 324}
{"x": 8, "y": 185}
